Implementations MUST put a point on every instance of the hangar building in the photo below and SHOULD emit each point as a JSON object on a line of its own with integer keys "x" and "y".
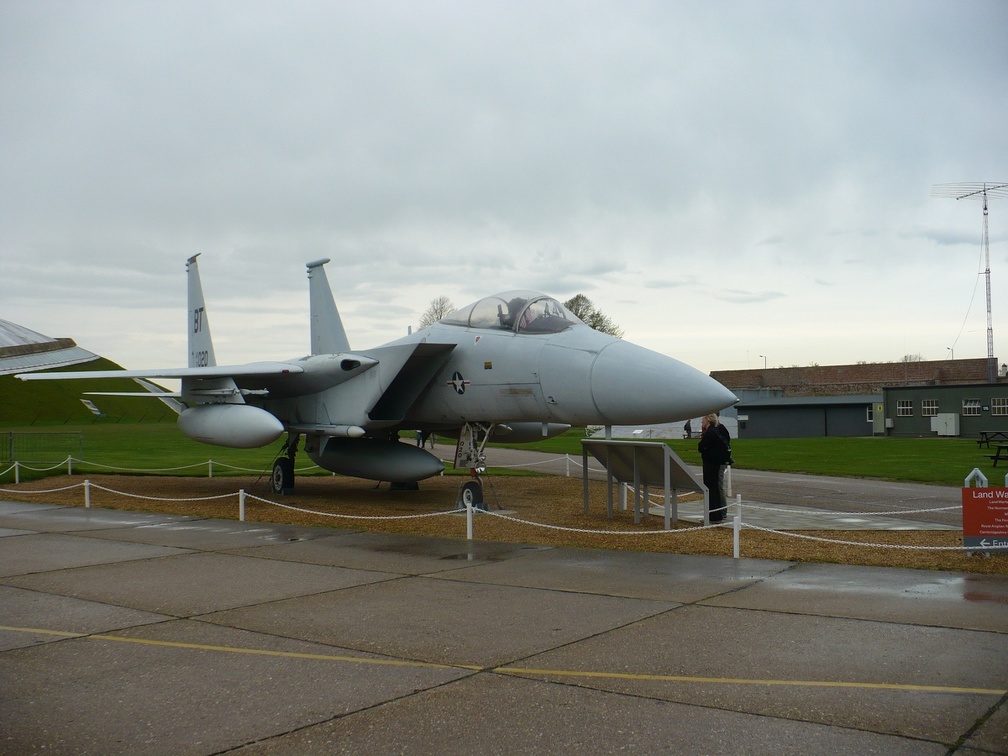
{"x": 945, "y": 397}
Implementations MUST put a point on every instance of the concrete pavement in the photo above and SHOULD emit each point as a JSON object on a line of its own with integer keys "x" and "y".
{"x": 125, "y": 632}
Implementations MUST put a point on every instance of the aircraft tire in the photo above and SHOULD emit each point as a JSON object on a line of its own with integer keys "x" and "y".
{"x": 472, "y": 493}
{"x": 282, "y": 481}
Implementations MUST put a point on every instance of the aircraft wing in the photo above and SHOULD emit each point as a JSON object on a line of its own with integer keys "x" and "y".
{"x": 250, "y": 370}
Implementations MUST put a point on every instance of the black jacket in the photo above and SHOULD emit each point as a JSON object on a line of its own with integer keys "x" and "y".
{"x": 713, "y": 447}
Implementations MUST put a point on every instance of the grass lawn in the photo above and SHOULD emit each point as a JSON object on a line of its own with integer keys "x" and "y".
{"x": 944, "y": 461}
{"x": 161, "y": 448}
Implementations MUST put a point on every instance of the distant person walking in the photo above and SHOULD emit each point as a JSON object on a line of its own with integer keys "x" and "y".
{"x": 688, "y": 429}
{"x": 715, "y": 453}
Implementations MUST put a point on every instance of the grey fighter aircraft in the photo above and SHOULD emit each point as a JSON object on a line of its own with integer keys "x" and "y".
{"x": 516, "y": 365}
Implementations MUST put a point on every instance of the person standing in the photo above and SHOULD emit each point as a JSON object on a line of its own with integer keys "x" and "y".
{"x": 714, "y": 453}
{"x": 726, "y": 437}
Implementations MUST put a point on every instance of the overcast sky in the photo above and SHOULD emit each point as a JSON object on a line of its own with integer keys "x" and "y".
{"x": 726, "y": 180}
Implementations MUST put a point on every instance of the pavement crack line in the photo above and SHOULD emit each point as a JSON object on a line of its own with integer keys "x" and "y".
{"x": 981, "y": 721}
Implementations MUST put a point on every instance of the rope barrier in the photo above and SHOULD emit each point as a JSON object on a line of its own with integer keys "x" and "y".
{"x": 258, "y": 471}
{"x": 566, "y": 458}
{"x": 69, "y": 461}
{"x": 135, "y": 469}
{"x": 23, "y": 466}
{"x": 599, "y": 532}
{"x": 39, "y": 491}
{"x": 160, "y": 498}
{"x": 832, "y": 513}
{"x": 587, "y": 531}
{"x": 862, "y": 543}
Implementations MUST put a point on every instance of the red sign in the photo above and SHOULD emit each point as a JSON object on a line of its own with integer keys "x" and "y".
{"x": 985, "y": 518}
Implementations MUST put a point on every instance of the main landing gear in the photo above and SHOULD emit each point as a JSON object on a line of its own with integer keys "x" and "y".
{"x": 469, "y": 452}
{"x": 282, "y": 481}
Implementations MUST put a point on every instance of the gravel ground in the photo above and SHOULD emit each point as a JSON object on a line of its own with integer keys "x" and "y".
{"x": 341, "y": 502}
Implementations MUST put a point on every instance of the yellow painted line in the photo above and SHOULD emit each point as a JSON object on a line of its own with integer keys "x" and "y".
{"x": 240, "y": 650}
{"x": 515, "y": 671}
{"x": 742, "y": 681}
{"x": 41, "y": 631}
{"x": 283, "y": 654}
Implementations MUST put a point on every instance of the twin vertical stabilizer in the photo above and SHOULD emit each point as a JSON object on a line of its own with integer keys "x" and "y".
{"x": 201, "y": 352}
{"x": 327, "y": 334}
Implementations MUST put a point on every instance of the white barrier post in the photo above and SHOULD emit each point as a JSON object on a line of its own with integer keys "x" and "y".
{"x": 737, "y": 526}
{"x": 70, "y": 465}
{"x": 17, "y": 472}
{"x": 210, "y": 467}
{"x": 567, "y": 459}
{"x": 87, "y": 494}
{"x": 241, "y": 505}
{"x": 469, "y": 521}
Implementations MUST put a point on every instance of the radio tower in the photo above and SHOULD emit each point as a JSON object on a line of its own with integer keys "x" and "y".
{"x": 979, "y": 191}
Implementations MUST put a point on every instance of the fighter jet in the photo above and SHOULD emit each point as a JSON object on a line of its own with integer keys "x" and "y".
{"x": 516, "y": 365}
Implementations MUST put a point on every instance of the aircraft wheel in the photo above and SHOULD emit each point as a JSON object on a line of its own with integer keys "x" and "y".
{"x": 282, "y": 481}
{"x": 472, "y": 493}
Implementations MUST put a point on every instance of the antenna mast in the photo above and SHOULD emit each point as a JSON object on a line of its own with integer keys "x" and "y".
{"x": 981, "y": 191}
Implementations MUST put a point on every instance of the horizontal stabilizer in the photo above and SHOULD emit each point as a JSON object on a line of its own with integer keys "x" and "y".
{"x": 140, "y": 394}
{"x": 220, "y": 371}
{"x": 168, "y": 398}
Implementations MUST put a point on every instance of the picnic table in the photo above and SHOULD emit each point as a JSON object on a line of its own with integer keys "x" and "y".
{"x": 987, "y": 436}
{"x": 1002, "y": 453}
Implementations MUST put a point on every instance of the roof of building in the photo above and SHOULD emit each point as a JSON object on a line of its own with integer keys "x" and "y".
{"x": 866, "y": 378}
{"x": 810, "y": 401}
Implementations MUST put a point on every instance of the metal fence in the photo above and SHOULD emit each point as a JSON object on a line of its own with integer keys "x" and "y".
{"x": 17, "y": 446}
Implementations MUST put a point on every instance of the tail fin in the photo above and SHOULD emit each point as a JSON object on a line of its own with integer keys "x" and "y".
{"x": 327, "y": 334}
{"x": 201, "y": 351}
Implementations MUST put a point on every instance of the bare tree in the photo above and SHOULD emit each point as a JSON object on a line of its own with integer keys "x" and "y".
{"x": 438, "y": 308}
{"x": 585, "y": 309}
{"x": 580, "y": 305}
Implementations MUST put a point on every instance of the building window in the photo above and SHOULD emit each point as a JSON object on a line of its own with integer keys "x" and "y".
{"x": 871, "y": 413}
{"x": 929, "y": 407}
{"x": 999, "y": 405}
{"x": 904, "y": 408}
{"x": 971, "y": 407}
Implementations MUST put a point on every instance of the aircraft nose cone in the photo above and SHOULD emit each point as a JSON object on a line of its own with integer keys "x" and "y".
{"x": 631, "y": 384}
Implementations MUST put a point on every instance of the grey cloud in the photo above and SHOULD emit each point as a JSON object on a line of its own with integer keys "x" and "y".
{"x": 463, "y": 148}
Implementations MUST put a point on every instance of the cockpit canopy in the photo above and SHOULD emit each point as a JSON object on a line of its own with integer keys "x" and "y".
{"x": 518, "y": 311}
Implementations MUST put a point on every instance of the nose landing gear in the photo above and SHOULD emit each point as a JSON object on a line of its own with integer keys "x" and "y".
{"x": 469, "y": 453}
{"x": 471, "y": 495}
